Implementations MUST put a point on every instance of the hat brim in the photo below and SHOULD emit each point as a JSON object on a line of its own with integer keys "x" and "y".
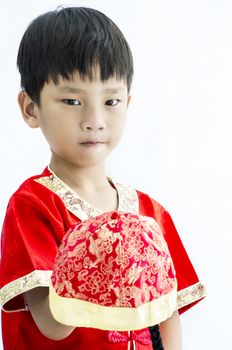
{"x": 81, "y": 313}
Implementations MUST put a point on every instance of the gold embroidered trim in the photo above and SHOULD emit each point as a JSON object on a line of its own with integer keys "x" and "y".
{"x": 128, "y": 199}
{"x": 75, "y": 204}
{"x": 190, "y": 295}
{"x": 118, "y": 260}
{"x": 75, "y": 312}
{"x": 37, "y": 278}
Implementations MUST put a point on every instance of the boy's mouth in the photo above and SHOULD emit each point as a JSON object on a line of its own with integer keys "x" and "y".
{"x": 92, "y": 143}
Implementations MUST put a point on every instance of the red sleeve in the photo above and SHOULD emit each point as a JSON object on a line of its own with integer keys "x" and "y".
{"x": 32, "y": 230}
{"x": 190, "y": 290}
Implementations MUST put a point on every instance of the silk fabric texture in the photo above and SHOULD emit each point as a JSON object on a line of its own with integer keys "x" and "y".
{"x": 38, "y": 215}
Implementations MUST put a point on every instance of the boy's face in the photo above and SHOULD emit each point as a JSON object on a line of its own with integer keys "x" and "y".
{"x": 82, "y": 120}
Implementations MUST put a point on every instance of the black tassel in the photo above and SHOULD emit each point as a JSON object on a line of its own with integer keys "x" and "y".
{"x": 156, "y": 338}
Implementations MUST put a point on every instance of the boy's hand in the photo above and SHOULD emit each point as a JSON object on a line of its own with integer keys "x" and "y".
{"x": 38, "y": 303}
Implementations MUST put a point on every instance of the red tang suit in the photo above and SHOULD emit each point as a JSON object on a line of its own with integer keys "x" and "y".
{"x": 44, "y": 214}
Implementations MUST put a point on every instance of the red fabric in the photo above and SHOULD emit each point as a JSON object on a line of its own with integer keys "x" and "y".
{"x": 35, "y": 223}
{"x": 120, "y": 253}
{"x": 185, "y": 273}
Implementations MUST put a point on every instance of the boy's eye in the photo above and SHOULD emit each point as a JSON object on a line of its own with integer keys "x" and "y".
{"x": 112, "y": 102}
{"x": 72, "y": 102}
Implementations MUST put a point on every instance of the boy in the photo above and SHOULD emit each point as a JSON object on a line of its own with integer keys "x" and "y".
{"x": 76, "y": 71}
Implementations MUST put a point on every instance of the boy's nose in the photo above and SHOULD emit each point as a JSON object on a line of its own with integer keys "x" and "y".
{"x": 93, "y": 122}
{"x": 87, "y": 126}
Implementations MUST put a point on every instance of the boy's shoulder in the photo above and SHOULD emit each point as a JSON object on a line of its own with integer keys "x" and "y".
{"x": 31, "y": 189}
{"x": 30, "y": 183}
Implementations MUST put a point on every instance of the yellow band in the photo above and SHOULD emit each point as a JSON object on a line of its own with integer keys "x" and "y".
{"x": 80, "y": 313}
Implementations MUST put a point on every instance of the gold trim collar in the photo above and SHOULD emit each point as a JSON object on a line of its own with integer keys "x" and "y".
{"x": 127, "y": 197}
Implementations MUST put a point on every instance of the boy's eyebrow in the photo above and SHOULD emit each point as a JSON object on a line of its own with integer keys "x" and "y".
{"x": 78, "y": 90}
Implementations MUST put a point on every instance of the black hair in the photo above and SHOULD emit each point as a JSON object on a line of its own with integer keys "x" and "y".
{"x": 66, "y": 40}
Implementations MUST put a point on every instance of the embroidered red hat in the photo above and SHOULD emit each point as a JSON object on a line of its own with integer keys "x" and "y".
{"x": 113, "y": 272}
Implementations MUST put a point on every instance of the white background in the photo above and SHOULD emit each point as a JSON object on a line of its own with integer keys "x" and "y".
{"x": 178, "y": 141}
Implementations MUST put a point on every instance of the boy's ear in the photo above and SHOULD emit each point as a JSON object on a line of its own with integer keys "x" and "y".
{"x": 128, "y": 100}
{"x": 28, "y": 109}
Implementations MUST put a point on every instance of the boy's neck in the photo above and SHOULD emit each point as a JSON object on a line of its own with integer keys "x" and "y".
{"x": 90, "y": 183}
